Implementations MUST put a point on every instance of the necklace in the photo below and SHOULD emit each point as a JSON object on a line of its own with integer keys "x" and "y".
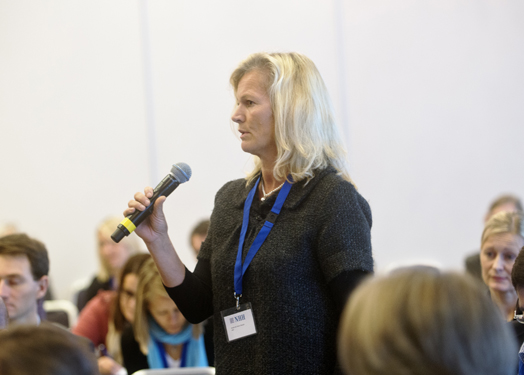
{"x": 265, "y": 195}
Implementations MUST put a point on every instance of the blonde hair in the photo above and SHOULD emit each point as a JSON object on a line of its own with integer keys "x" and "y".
{"x": 306, "y": 135}
{"x": 149, "y": 287}
{"x": 503, "y": 222}
{"x": 106, "y": 228}
{"x": 422, "y": 321}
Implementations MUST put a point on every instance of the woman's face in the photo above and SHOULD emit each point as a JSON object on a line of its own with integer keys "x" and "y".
{"x": 254, "y": 116}
{"x": 128, "y": 296}
{"x": 166, "y": 314}
{"x": 113, "y": 254}
{"x": 497, "y": 257}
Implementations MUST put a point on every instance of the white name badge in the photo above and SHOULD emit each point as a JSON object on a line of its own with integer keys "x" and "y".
{"x": 240, "y": 322}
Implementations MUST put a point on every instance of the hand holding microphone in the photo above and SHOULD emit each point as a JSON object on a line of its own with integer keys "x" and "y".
{"x": 142, "y": 207}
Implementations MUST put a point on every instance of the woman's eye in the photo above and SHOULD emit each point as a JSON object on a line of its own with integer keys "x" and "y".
{"x": 510, "y": 256}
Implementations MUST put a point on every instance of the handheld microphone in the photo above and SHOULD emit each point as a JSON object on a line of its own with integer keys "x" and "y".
{"x": 179, "y": 174}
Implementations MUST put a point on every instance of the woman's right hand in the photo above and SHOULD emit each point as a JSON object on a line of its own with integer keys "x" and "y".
{"x": 154, "y": 227}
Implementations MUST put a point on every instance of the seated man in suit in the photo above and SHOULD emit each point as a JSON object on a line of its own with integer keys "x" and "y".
{"x": 24, "y": 266}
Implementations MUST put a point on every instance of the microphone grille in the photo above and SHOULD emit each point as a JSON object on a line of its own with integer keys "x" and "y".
{"x": 181, "y": 171}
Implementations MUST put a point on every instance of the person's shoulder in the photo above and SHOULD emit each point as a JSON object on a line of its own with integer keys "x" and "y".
{"x": 341, "y": 193}
{"x": 233, "y": 185}
{"x": 233, "y": 192}
{"x": 102, "y": 300}
{"x": 331, "y": 182}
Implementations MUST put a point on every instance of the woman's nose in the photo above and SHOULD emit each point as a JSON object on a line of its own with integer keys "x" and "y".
{"x": 238, "y": 115}
{"x": 498, "y": 263}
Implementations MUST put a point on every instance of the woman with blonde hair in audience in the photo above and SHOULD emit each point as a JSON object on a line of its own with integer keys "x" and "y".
{"x": 107, "y": 315}
{"x": 423, "y": 322}
{"x": 502, "y": 240}
{"x": 160, "y": 337}
{"x": 112, "y": 257}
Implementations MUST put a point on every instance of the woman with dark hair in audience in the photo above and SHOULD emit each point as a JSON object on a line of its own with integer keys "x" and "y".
{"x": 424, "y": 322}
{"x": 502, "y": 239}
{"x": 44, "y": 350}
{"x": 107, "y": 315}
{"x": 160, "y": 336}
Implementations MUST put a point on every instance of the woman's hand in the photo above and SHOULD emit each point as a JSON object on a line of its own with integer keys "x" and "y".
{"x": 154, "y": 227}
{"x": 153, "y": 230}
{"x": 108, "y": 366}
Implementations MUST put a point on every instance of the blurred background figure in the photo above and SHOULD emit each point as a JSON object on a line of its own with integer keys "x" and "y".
{"x": 505, "y": 202}
{"x": 44, "y": 350}
{"x": 24, "y": 266}
{"x": 160, "y": 336}
{"x": 112, "y": 257}
{"x": 502, "y": 240}
{"x": 3, "y": 315}
{"x": 198, "y": 235}
{"x": 424, "y": 322}
{"x": 106, "y": 316}
{"x": 517, "y": 279}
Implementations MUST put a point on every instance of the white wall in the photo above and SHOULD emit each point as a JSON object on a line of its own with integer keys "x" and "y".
{"x": 98, "y": 99}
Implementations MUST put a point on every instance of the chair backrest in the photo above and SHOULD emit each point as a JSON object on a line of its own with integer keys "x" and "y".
{"x": 61, "y": 311}
{"x": 179, "y": 371}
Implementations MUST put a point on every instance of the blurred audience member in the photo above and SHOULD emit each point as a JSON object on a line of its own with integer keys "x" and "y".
{"x": 502, "y": 239}
{"x": 24, "y": 265}
{"x": 4, "y": 318}
{"x": 507, "y": 203}
{"x": 517, "y": 279}
{"x": 112, "y": 257}
{"x": 160, "y": 336}
{"x": 44, "y": 350}
{"x": 424, "y": 322}
{"x": 107, "y": 315}
{"x": 198, "y": 235}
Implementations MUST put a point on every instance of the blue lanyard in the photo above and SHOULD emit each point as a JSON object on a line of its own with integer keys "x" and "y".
{"x": 240, "y": 269}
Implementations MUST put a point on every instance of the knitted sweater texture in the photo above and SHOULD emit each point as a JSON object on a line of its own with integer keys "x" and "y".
{"x": 322, "y": 231}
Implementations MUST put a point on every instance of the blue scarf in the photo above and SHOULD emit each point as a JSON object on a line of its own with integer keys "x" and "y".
{"x": 193, "y": 352}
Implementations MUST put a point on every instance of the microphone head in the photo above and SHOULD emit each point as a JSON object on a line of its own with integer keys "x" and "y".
{"x": 181, "y": 172}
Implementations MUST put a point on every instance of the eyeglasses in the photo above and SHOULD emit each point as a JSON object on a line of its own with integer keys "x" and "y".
{"x": 518, "y": 315}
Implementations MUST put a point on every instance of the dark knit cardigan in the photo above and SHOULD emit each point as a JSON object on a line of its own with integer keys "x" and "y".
{"x": 322, "y": 232}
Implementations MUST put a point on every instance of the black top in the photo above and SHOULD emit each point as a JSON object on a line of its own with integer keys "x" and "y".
{"x": 134, "y": 359}
{"x": 318, "y": 250}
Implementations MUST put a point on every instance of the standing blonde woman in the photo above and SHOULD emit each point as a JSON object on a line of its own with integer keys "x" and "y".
{"x": 423, "y": 322}
{"x": 287, "y": 244}
{"x": 160, "y": 336}
{"x": 502, "y": 240}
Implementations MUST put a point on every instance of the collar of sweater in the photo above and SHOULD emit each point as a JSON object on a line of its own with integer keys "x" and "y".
{"x": 299, "y": 191}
